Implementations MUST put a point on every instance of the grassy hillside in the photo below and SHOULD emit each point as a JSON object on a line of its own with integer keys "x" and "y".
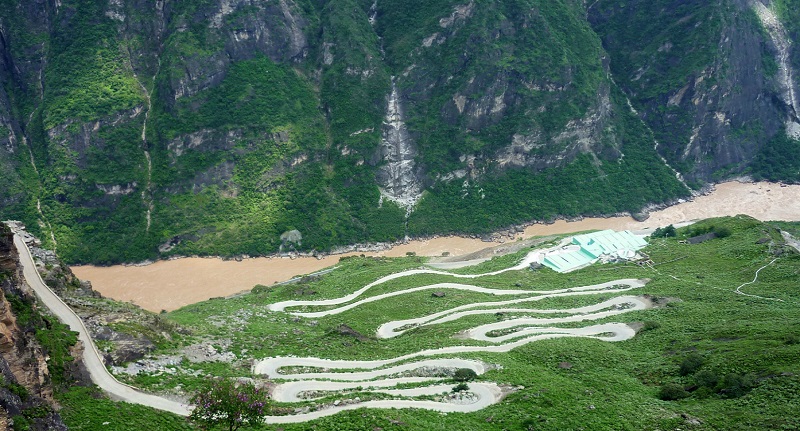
{"x": 739, "y": 367}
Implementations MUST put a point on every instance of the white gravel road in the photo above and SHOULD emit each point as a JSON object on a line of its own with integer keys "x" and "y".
{"x": 91, "y": 357}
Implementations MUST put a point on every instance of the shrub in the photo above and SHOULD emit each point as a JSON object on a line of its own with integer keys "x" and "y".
{"x": 668, "y": 231}
{"x": 461, "y": 387}
{"x": 706, "y": 379}
{"x": 722, "y": 231}
{"x": 703, "y": 392}
{"x": 736, "y": 385}
{"x": 464, "y": 375}
{"x": 691, "y": 364}
{"x": 792, "y": 339}
{"x": 719, "y": 231}
{"x": 672, "y": 392}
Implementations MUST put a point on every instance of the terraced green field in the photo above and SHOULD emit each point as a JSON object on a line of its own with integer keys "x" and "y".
{"x": 726, "y": 359}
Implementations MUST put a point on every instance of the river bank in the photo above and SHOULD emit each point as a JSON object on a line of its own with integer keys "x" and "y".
{"x": 168, "y": 285}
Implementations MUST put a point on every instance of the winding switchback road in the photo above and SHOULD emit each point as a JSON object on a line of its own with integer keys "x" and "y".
{"x": 383, "y": 376}
{"x": 503, "y": 336}
{"x": 531, "y": 257}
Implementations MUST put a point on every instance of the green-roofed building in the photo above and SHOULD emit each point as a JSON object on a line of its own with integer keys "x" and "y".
{"x": 608, "y": 242}
{"x": 588, "y": 248}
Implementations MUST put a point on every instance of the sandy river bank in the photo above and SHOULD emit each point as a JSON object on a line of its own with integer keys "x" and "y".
{"x": 172, "y": 284}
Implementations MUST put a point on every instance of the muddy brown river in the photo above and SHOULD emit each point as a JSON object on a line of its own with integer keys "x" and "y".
{"x": 168, "y": 285}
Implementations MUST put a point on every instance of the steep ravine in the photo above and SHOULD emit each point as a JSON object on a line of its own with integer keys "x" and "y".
{"x": 656, "y": 144}
{"x": 147, "y": 190}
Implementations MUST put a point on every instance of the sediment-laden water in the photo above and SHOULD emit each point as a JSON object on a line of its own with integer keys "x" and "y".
{"x": 168, "y": 285}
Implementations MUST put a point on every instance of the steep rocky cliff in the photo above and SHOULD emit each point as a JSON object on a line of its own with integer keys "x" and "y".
{"x": 124, "y": 331}
{"x": 133, "y": 129}
{"x": 715, "y": 81}
{"x": 26, "y": 391}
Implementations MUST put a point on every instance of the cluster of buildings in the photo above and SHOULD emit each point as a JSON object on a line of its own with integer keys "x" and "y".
{"x": 584, "y": 250}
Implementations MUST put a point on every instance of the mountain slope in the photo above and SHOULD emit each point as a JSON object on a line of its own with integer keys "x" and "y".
{"x": 714, "y": 80}
{"x": 220, "y": 126}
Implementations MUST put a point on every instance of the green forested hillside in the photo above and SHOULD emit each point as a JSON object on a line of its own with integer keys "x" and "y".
{"x": 699, "y": 73}
{"x": 131, "y": 132}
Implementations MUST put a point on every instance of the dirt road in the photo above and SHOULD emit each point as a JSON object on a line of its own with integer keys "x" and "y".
{"x": 91, "y": 357}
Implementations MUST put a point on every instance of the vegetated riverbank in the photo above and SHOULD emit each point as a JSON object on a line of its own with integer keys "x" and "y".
{"x": 168, "y": 285}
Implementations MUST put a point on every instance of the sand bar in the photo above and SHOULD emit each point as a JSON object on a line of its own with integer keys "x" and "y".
{"x": 168, "y": 285}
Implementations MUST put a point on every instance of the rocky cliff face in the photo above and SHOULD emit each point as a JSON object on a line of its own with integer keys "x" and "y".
{"x": 133, "y": 129}
{"x": 786, "y": 83}
{"x": 25, "y": 388}
{"x": 714, "y": 80}
{"x": 399, "y": 176}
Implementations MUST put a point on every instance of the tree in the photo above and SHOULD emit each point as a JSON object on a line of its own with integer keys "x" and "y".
{"x": 666, "y": 232}
{"x": 229, "y": 403}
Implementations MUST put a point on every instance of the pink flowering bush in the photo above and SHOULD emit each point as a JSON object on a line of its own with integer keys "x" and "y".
{"x": 229, "y": 403}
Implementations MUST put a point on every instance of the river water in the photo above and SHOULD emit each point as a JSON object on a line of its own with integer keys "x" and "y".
{"x": 168, "y": 285}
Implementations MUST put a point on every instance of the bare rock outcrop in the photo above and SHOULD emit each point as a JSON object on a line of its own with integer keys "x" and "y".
{"x": 399, "y": 177}
{"x": 25, "y": 381}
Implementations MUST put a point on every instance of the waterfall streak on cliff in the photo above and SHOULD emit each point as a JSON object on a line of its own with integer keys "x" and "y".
{"x": 398, "y": 177}
{"x": 147, "y": 192}
{"x": 782, "y": 43}
{"x": 633, "y": 110}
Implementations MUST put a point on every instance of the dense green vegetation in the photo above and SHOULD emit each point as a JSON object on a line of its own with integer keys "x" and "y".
{"x": 523, "y": 71}
{"x": 716, "y": 357}
{"x": 688, "y": 52}
{"x": 779, "y": 160}
{"x": 682, "y": 41}
{"x": 355, "y": 83}
{"x": 87, "y": 74}
{"x": 402, "y": 25}
{"x": 141, "y": 133}
{"x": 582, "y": 187}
